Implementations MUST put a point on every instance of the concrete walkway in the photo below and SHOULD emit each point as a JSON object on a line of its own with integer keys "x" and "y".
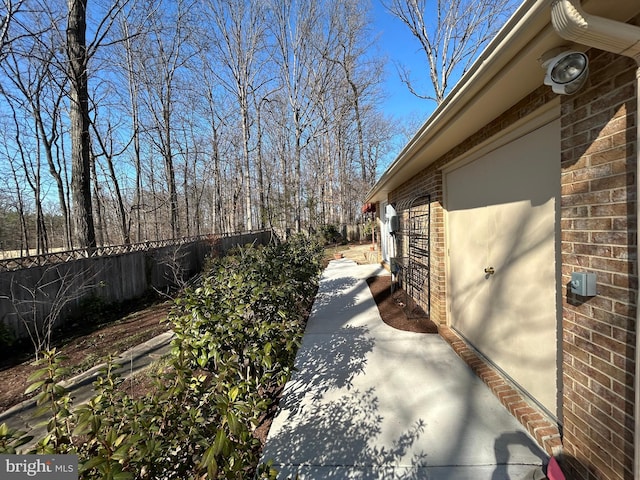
{"x": 80, "y": 387}
{"x": 371, "y": 402}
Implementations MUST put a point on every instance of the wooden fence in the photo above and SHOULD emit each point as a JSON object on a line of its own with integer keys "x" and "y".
{"x": 37, "y": 287}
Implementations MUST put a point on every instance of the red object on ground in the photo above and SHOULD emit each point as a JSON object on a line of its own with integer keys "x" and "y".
{"x": 553, "y": 470}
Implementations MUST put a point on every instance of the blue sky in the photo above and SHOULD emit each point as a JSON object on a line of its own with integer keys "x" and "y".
{"x": 398, "y": 45}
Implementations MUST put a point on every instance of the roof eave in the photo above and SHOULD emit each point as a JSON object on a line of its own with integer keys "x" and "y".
{"x": 519, "y": 41}
{"x": 507, "y": 70}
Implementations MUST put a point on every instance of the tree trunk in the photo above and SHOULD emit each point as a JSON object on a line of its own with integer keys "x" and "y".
{"x": 84, "y": 230}
{"x": 262, "y": 207}
{"x": 218, "y": 225}
{"x": 170, "y": 172}
{"x": 185, "y": 190}
{"x": 246, "y": 178}
{"x": 102, "y": 232}
{"x": 133, "y": 86}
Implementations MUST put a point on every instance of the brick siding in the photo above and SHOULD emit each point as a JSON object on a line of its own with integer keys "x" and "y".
{"x": 598, "y": 234}
{"x": 599, "y": 228}
{"x": 430, "y": 182}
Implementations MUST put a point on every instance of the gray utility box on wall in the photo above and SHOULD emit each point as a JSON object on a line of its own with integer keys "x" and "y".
{"x": 583, "y": 284}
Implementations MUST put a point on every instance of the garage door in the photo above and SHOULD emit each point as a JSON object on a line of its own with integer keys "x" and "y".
{"x": 503, "y": 276}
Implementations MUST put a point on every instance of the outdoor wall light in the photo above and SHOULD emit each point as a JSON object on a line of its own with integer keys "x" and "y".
{"x": 567, "y": 70}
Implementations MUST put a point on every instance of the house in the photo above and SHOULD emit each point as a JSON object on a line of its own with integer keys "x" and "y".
{"x": 527, "y": 177}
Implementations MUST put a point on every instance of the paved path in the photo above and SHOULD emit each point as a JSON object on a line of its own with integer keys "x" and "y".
{"x": 371, "y": 402}
{"x": 80, "y": 387}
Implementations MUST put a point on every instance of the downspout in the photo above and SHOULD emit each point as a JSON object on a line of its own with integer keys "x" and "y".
{"x": 572, "y": 23}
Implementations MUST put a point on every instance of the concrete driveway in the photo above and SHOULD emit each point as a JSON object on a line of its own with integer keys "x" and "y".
{"x": 372, "y": 402}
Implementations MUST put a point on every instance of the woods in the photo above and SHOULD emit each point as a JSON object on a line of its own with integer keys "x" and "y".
{"x": 132, "y": 120}
{"x": 135, "y": 120}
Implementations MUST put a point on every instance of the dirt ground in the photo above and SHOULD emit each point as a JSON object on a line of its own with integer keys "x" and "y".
{"x": 86, "y": 350}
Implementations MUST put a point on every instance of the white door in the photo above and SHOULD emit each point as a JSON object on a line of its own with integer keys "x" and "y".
{"x": 502, "y": 245}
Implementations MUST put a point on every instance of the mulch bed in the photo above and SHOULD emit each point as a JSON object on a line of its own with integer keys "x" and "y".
{"x": 392, "y": 309}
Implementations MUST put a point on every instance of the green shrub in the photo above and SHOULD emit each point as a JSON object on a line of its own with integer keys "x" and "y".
{"x": 329, "y": 234}
{"x": 7, "y": 339}
{"x": 237, "y": 334}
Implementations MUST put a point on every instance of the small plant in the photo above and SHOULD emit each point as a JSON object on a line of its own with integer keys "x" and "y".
{"x": 368, "y": 227}
{"x": 329, "y": 234}
{"x": 237, "y": 334}
{"x": 53, "y": 400}
{"x": 7, "y": 338}
{"x": 12, "y": 439}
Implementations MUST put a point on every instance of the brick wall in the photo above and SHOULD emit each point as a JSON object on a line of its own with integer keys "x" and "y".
{"x": 599, "y": 230}
{"x": 429, "y": 181}
{"x": 598, "y": 234}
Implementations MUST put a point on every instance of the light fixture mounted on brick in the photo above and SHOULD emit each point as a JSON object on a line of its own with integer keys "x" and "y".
{"x": 567, "y": 70}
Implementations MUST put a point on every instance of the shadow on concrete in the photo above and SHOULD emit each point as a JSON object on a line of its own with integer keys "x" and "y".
{"x": 334, "y": 292}
{"x": 329, "y": 362}
{"x": 340, "y": 439}
{"x": 503, "y": 455}
{"x": 329, "y": 427}
{"x": 370, "y": 402}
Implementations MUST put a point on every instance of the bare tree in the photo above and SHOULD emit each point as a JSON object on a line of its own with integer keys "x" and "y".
{"x": 190, "y": 116}
{"x": 296, "y": 28}
{"x": 169, "y": 51}
{"x": 84, "y": 230}
{"x": 349, "y": 49}
{"x": 215, "y": 118}
{"x": 133, "y": 89}
{"x": 20, "y": 207}
{"x": 34, "y": 75}
{"x": 104, "y": 148}
{"x": 79, "y": 52}
{"x": 8, "y": 11}
{"x": 451, "y": 33}
{"x": 30, "y": 164}
{"x": 239, "y": 44}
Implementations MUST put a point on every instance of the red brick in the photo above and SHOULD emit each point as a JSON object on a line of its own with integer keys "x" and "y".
{"x": 543, "y": 432}
{"x": 598, "y": 231}
{"x": 614, "y": 181}
{"x": 609, "y": 369}
{"x": 553, "y": 446}
{"x": 593, "y": 348}
{"x": 608, "y": 343}
{"x": 514, "y": 407}
{"x": 612, "y": 238}
{"x": 609, "y": 156}
{"x": 578, "y": 425}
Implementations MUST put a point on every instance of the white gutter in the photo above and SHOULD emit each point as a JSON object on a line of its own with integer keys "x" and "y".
{"x": 574, "y": 24}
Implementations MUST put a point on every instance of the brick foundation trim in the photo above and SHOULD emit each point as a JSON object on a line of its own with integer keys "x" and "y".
{"x": 540, "y": 427}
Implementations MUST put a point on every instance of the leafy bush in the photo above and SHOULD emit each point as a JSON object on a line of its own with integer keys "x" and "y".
{"x": 7, "y": 338}
{"x": 330, "y": 234}
{"x": 237, "y": 334}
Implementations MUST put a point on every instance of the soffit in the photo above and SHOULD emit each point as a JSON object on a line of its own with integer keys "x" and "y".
{"x": 506, "y": 72}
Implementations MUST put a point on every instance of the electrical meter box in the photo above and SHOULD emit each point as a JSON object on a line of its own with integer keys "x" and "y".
{"x": 583, "y": 284}
{"x": 394, "y": 223}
